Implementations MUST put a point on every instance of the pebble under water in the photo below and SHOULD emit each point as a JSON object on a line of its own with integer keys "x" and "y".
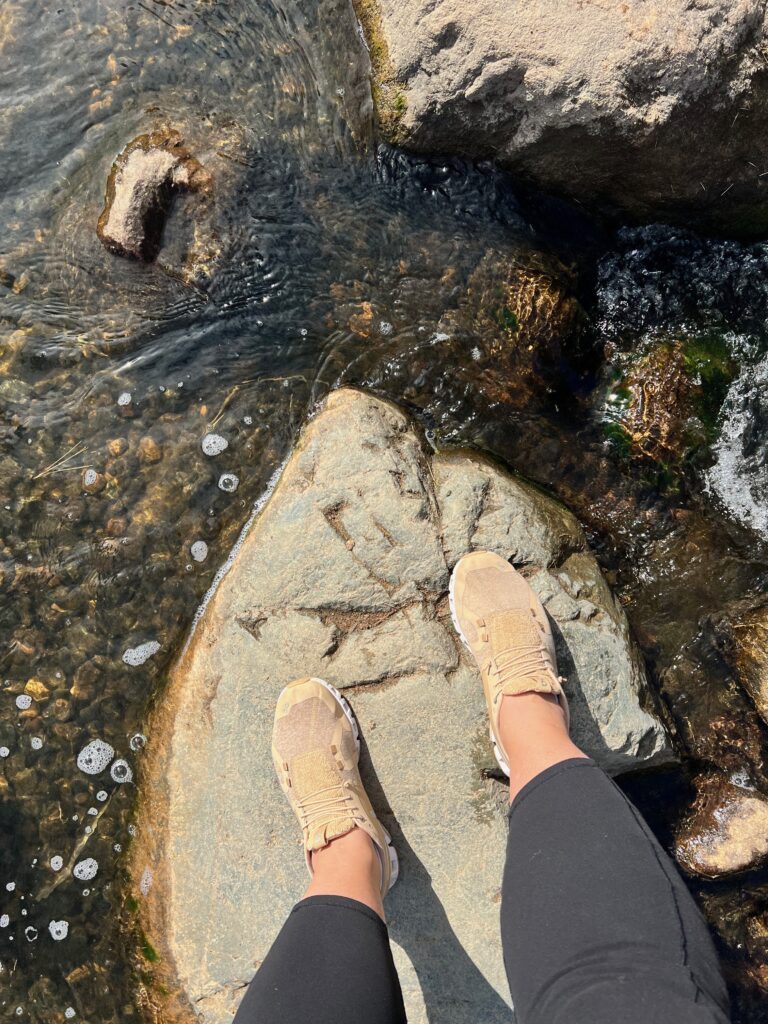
{"x": 144, "y": 410}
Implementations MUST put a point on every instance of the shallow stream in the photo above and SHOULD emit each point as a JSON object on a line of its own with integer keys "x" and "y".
{"x": 329, "y": 260}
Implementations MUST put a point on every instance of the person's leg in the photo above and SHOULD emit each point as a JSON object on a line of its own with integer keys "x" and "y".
{"x": 597, "y": 925}
{"x": 331, "y": 963}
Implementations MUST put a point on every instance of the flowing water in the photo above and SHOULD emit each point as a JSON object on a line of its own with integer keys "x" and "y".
{"x": 328, "y": 260}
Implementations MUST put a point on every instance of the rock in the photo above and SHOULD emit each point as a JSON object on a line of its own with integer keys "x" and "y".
{"x": 344, "y": 575}
{"x": 141, "y": 186}
{"x": 657, "y": 108}
{"x": 150, "y": 451}
{"x": 664, "y": 397}
{"x": 727, "y": 830}
{"x": 743, "y": 636}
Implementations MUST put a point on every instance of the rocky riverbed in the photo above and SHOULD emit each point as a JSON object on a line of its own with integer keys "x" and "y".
{"x": 146, "y": 404}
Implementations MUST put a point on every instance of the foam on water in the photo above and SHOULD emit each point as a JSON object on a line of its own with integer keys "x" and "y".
{"x": 121, "y": 771}
{"x": 23, "y": 701}
{"x": 86, "y": 869}
{"x": 214, "y": 444}
{"x": 59, "y": 930}
{"x": 229, "y": 482}
{"x": 739, "y": 476}
{"x": 57, "y": 863}
{"x": 138, "y": 655}
{"x": 94, "y": 757}
{"x": 199, "y": 550}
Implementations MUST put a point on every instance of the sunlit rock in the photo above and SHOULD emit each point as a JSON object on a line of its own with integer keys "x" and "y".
{"x": 144, "y": 180}
{"x": 743, "y": 635}
{"x": 344, "y": 574}
{"x": 727, "y": 830}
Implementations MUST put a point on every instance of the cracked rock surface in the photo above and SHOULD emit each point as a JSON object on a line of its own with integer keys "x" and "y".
{"x": 344, "y": 575}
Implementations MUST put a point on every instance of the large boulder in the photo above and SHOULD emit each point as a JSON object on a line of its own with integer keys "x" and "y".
{"x": 344, "y": 575}
{"x": 656, "y": 107}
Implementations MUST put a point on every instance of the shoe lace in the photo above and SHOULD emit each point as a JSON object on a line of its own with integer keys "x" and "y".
{"x": 324, "y": 804}
{"x": 523, "y": 661}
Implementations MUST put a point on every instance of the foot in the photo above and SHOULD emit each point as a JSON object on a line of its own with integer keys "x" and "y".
{"x": 502, "y": 622}
{"x": 316, "y": 750}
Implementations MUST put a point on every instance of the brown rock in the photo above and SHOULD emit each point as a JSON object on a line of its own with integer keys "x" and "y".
{"x": 117, "y": 446}
{"x": 744, "y": 639}
{"x": 727, "y": 830}
{"x": 140, "y": 189}
{"x": 116, "y": 526}
{"x": 36, "y": 689}
{"x": 150, "y": 451}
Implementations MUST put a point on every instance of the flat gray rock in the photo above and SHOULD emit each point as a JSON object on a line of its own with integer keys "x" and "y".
{"x": 344, "y": 575}
{"x": 654, "y": 105}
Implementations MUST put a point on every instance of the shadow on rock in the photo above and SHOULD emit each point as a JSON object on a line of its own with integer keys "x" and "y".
{"x": 453, "y": 988}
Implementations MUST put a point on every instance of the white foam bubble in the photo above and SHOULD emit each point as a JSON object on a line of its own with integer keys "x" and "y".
{"x": 86, "y": 869}
{"x": 69, "y": 1013}
{"x": 138, "y": 741}
{"x": 4, "y": 920}
{"x": 228, "y": 482}
{"x": 121, "y": 771}
{"x": 102, "y": 795}
{"x": 4, "y": 751}
{"x": 138, "y": 655}
{"x": 94, "y": 758}
{"x": 23, "y": 701}
{"x": 31, "y": 933}
{"x": 214, "y": 444}
{"x": 124, "y": 398}
{"x": 57, "y": 863}
{"x": 248, "y": 420}
{"x": 11, "y": 887}
{"x": 59, "y": 930}
{"x": 145, "y": 883}
{"x": 199, "y": 550}
{"x": 89, "y": 477}
{"x": 36, "y": 742}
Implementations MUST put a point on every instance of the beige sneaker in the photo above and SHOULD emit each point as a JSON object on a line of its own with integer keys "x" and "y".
{"x": 316, "y": 749}
{"x": 501, "y": 621}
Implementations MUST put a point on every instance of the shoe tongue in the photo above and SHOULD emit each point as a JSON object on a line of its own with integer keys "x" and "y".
{"x": 311, "y": 772}
{"x": 508, "y": 630}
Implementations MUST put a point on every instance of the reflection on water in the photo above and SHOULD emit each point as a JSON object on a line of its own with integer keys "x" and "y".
{"x": 143, "y": 410}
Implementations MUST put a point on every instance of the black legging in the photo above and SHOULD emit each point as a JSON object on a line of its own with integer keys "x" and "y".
{"x": 597, "y": 927}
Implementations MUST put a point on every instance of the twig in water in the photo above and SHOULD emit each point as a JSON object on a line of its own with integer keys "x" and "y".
{"x": 71, "y": 453}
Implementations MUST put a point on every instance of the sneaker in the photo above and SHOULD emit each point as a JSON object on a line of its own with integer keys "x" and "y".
{"x": 316, "y": 750}
{"x": 502, "y": 622}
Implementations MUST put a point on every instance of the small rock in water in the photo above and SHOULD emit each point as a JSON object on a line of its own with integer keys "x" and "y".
{"x": 214, "y": 444}
{"x": 138, "y": 655}
{"x": 59, "y": 930}
{"x": 121, "y": 771}
{"x": 727, "y": 830}
{"x": 228, "y": 482}
{"x": 141, "y": 186}
{"x": 95, "y": 757}
{"x": 86, "y": 869}
{"x": 150, "y": 451}
{"x": 199, "y": 550}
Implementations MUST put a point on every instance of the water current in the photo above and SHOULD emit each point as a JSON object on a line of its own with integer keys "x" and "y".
{"x": 143, "y": 411}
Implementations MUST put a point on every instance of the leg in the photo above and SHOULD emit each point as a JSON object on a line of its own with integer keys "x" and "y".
{"x": 331, "y": 962}
{"x": 597, "y": 925}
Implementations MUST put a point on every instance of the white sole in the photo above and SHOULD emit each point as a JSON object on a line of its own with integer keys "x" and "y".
{"x": 394, "y": 863}
{"x": 500, "y": 759}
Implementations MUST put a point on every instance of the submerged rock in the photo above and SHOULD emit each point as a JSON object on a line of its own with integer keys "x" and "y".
{"x": 344, "y": 575}
{"x": 658, "y": 108}
{"x": 140, "y": 189}
{"x": 743, "y": 636}
{"x": 727, "y": 830}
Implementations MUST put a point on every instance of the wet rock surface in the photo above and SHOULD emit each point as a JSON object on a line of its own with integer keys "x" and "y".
{"x": 344, "y": 575}
{"x": 631, "y": 105}
{"x": 143, "y": 182}
{"x": 727, "y": 830}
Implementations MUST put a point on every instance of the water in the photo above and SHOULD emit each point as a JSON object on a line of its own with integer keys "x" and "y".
{"x": 325, "y": 260}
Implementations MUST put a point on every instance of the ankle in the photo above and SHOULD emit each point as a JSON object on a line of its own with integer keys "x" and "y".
{"x": 348, "y": 866}
{"x": 534, "y": 735}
